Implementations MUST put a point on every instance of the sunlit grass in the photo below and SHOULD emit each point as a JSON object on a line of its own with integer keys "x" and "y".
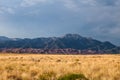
{"x": 52, "y": 67}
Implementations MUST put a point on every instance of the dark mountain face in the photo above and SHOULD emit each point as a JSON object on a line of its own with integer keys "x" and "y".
{"x": 73, "y": 41}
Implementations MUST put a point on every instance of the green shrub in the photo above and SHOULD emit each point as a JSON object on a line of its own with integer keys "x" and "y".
{"x": 73, "y": 77}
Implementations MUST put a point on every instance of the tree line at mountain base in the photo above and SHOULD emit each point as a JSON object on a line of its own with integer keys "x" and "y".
{"x": 56, "y": 51}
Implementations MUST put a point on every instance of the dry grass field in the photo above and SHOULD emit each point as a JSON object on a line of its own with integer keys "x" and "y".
{"x": 56, "y": 67}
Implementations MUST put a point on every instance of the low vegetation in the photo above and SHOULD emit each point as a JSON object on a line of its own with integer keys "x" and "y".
{"x": 73, "y": 77}
{"x": 59, "y": 67}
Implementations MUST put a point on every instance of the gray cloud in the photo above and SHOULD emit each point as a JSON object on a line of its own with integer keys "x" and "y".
{"x": 108, "y": 2}
{"x": 6, "y": 10}
{"x": 33, "y": 18}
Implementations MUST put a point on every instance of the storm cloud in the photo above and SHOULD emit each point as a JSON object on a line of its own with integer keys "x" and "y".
{"x": 99, "y": 19}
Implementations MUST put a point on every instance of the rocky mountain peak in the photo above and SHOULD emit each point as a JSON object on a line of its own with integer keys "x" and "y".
{"x": 76, "y": 36}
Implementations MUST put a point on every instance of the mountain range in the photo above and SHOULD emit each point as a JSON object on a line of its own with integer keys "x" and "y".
{"x": 68, "y": 41}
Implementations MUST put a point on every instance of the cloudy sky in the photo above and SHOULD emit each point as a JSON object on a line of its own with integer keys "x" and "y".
{"x": 99, "y": 19}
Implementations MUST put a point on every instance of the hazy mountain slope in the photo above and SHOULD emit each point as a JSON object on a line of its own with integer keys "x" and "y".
{"x": 73, "y": 41}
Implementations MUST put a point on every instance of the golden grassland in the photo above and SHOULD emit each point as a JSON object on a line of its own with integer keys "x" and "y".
{"x": 52, "y": 67}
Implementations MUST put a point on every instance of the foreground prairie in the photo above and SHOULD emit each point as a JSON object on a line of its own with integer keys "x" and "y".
{"x": 53, "y": 67}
